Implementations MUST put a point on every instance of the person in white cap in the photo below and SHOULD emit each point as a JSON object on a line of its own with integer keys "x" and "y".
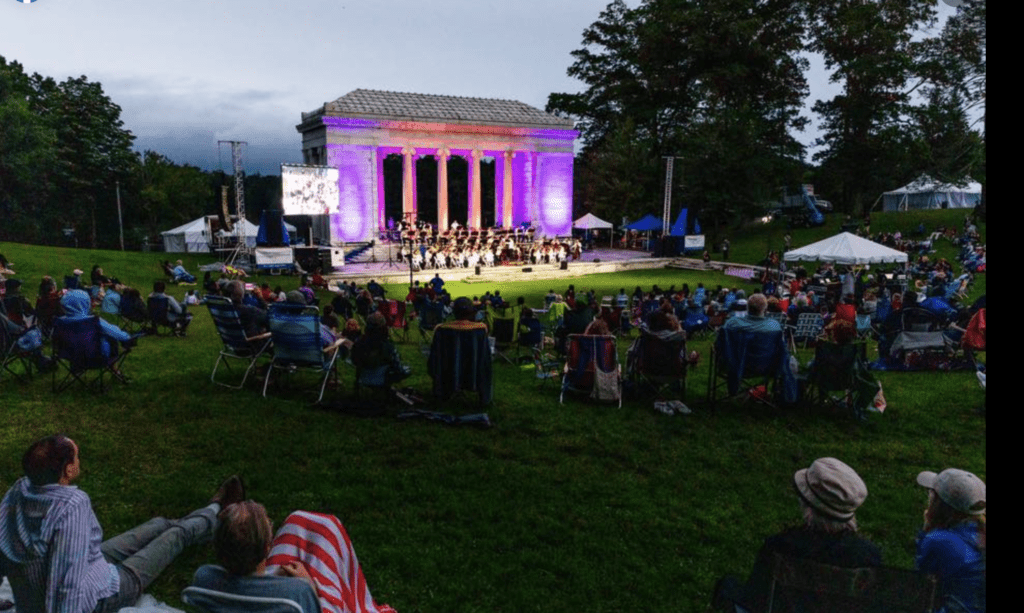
{"x": 829, "y": 492}
{"x": 952, "y": 543}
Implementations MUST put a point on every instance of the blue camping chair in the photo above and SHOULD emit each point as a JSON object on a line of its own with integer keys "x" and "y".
{"x": 213, "y": 601}
{"x": 295, "y": 332}
{"x": 14, "y": 360}
{"x": 237, "y": 346}
{"x": 742, "y": 359}
{"x": 78, "y": 349}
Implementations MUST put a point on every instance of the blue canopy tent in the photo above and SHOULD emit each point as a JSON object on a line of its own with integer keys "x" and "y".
{"x": 645, "y": 224}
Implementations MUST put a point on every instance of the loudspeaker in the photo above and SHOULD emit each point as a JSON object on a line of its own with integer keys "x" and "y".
{"x": 527, "y": 269}
{"x": 597, "y": 260}
{"x": 477, "y": 270}
{"x": 274, "y": 225}
{"x": 565, "y": 265}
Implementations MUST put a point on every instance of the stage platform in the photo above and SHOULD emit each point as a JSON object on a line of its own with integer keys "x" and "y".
{"x": 593, "y": 261}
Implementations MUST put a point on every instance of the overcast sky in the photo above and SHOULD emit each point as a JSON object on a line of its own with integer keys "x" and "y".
{"x": 187, "y": 73}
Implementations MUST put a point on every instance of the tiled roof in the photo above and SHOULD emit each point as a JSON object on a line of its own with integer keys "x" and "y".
{"x": 368, "y": 103}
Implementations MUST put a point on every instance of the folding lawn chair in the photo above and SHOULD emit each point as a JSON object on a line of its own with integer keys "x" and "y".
{"x": 159, "y": 310}
{"x": 808, "y": 327}
{"x": 213, "y": 601}
{"x": 295, "y": 332}
{"x": 592, "y": 367}
{"x": 237, "y": 346}
{"x": 841, "y": 368}
{"x": 14, "y": 360}
{"x": 504, "y": 327}
{"x": 531, "y": 338}
{"x": 394, "y": 315}
{"x": 430, "y": 315}
{"x": 657, "y": 362}
{"x": 799, "y": 584}
{"x": 77, "y": 347}
{"x": 460, "y": 360}
{"x": 546, "y": 366}
{"x": 743, "y": 360}
{"x": 47, "y": 309}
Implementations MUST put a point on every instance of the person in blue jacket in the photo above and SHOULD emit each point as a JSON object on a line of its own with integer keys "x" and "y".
{"x": 952, "y": 543}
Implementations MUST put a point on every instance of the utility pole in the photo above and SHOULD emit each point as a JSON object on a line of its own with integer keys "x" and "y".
{"x": 120, "y": 224}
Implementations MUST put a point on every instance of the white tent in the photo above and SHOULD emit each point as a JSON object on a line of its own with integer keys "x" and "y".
{"x": 846, "y": 248}
{"x": 591, "y": 222}
{"x": 250, "y": 232}
{"x": 192, "y": 237}
{"x": 927, "y": 193}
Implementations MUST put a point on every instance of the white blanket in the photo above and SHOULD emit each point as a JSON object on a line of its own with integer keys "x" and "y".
{"x": 146, "y": 604}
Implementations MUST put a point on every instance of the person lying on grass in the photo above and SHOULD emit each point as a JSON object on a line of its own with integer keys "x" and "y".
{"x": 50, "y": 539}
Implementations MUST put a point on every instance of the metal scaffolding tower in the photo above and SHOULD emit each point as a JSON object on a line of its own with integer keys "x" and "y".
{"x": 242, "y": 253}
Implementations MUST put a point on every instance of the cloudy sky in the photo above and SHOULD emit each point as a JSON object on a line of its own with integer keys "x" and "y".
{"x": 188, "y": 73}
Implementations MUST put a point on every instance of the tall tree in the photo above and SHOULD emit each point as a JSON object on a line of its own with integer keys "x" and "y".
{"x": 868, "y": 45}
{"x": 718, "y": 83}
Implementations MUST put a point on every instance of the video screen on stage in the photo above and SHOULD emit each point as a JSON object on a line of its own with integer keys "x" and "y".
{"x": 309, "y": 190}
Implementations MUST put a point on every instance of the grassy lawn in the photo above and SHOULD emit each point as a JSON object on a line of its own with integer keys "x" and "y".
{"x": 580, "y": 506}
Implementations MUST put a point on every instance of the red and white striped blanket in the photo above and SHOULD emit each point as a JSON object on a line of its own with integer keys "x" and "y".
{"x": 321, "y": 544}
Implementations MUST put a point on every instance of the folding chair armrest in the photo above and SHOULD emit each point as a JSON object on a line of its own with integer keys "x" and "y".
{"x": 341, "y": 342}
{"x": 258, "y": 337}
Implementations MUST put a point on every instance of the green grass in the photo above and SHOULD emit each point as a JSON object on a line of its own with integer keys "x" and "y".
{"x": 578, "y": 506}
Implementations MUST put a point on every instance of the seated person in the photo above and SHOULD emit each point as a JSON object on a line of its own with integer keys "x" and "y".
{"x": 76, "y": 305}
{"x": 829, "y": 493}
{"x": 755, "y": 320}
{"x": 318, "y": 281}
{"x": 112, "y": 300}
{"x": 32, "y": 344}
{"x": 133, "y": 308}
{"x": 17, "y": 306}
{"x": 43, "y": 518}
{"x": 254, "y": 319}
{"x": 180, "y": 275}
{"x": 327, "y": 336}
{"x": 374, "y": 349}
{"x": 191, "y": 298}
{"x": 952, "y": 543}
{"x": 177, "y": 315}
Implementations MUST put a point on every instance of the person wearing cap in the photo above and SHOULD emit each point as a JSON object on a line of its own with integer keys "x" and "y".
{"x": 829, "y": 492}
{"x": 951, "y": 545}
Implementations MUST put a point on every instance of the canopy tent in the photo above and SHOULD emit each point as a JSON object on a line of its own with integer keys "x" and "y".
{"x": 591, "y": 222}
{"x": 927, "y": 193}
{"x": 646, "y": 224}
{"x": 251, "y": 230}
{"x": 846, "y": 248}
{"x": 192, "y": 237}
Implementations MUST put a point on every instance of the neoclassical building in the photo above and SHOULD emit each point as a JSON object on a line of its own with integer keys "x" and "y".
{"x": 533, "y": 153}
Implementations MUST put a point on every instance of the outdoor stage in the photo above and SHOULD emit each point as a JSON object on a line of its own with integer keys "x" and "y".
{"x": 610, "y": 260}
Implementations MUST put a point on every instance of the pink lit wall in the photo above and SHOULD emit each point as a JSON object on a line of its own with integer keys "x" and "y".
{"x": 554, "y": 174}
{"x": 357, "y": 204}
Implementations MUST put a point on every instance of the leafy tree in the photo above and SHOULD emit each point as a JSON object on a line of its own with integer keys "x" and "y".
{"x": 868, "y": 44}
{"x": 716, "y": 83}
{"x": 165, "y": 195}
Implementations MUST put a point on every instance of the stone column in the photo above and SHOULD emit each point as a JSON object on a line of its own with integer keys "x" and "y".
{"x": 408, "y": 187}
{"x": 474, "y": 192}
{"x": 506, "y": 198}
{"x": 442, "y": 188}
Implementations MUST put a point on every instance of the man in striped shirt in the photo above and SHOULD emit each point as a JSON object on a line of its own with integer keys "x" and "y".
{"x": 52, "y": 548}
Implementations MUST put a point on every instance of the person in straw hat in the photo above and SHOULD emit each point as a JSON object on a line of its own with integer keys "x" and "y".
{"x": 829, "y": 492}
{"x": 951, "y": 544}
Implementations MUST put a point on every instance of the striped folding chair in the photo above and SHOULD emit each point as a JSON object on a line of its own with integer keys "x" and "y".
{"x": 808, "y": 327}
{"x": 590, "y": 358}
{"x": 237, "y": 346}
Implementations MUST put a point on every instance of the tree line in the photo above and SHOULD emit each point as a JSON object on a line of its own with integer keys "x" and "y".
{"x": 65, "y": 154}
{"x": 720, "y": 84}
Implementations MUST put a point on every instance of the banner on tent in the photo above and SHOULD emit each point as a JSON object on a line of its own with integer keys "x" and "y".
{"x": 742, "y": 273}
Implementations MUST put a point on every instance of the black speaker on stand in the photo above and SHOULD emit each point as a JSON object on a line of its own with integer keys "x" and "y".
{"x": 565, "y": 265}
{"x": 272, "y": 218}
